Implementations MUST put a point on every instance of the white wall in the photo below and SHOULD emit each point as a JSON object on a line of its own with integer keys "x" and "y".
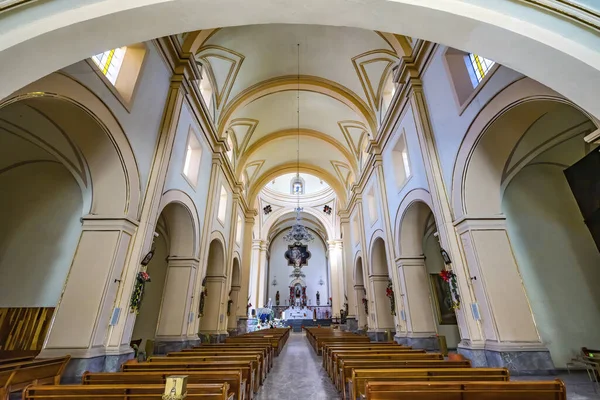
{"x": 449, "y": 127}
{"x": 40, "y": 207}
{"x": 317, "y": 268}
{"x": 557, "y": 259}
{"x": 142, "y": 124}
{"x": 147, "y": 319}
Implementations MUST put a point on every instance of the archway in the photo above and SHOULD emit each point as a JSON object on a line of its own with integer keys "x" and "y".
{"x": 380, "y": 308}
{"x": 163, "y": 315}
{"x": 529, "y": 225}
{"x": 53, "y": 149}
{"x": 428, "y": 299}
{"x": 214, "y": 287}
{"x": 360, "y": 294}
{"x": 561, "y": 38}
{"x": 234, "y": 301}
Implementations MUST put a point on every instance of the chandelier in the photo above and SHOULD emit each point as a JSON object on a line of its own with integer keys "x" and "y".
{"x": 297, "y": 273}
{"x": 298, "y": 232}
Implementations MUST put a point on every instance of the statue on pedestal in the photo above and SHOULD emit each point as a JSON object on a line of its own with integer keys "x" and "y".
{"x": 318, "y": 298}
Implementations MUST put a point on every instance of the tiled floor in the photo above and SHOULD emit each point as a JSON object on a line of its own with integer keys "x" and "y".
{"x": 297, "y": 374}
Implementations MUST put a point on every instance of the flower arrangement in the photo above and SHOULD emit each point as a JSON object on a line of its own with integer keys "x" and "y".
{"x": 203, "y": 297}
{"x": 138, "y": 291}
{"x": 366, "y": 304}
{"x": 450, "y": 277}
{"x": 389, "y": 292}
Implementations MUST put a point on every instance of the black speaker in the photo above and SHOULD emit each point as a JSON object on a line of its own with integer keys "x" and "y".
{"x": 584, "y": 179}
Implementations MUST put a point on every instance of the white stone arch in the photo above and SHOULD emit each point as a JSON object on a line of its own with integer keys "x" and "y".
{"x": 217, "y": 239}
{"x": 184, "y": 223}
{"x": 276, "y": 215}
{"x": 378, "y": 234}
{"x": 113, "y": 170}
{"x": 517, "y": 94}
{"x": 359, "y": 279}
{"x": 415, "y": 195}
{"x": 236, "y": 270}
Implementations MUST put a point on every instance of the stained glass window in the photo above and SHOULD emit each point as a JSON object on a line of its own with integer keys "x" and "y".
{"x": 478, "y": 67}
{"x": 110, "y": 62}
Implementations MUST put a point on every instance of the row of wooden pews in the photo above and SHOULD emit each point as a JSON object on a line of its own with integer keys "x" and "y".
{"x": 20, "y": 372}
{"x": 233, "y": 370}
{"x": 361, "y": 369}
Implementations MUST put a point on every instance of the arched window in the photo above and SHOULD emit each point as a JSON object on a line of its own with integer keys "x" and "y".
{"x": 478, "y": 67}
{"x": 297, "y": 185}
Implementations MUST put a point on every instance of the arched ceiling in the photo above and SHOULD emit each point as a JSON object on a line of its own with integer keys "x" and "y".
{"x": 260, "y": 73}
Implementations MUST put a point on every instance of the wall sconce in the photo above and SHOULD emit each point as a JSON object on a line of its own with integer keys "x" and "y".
{"x": 321, "y": 282}
{"x": 274, "y": 283}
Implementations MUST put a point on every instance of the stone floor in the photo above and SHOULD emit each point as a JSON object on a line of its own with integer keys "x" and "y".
{"x": 297, "y": 374}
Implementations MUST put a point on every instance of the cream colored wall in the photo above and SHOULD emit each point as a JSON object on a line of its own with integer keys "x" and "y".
{"x": 147, "y": 319}
{"x": 40, "y": 210}
{"x": 449, "y": 127}
{"x": 557, "y": 257}
{"x": 435, "y": 264}
{"x": 418, "y": 179}
{"x": 142, "y": 124}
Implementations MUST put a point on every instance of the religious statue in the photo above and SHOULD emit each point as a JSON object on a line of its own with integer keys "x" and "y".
{"x": 298, "y": 293}
{"x": 318, "y": 298}
{"x": 277, "y": 298}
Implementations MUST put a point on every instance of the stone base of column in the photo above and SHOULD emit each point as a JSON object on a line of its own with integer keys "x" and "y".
{"x": 378, "y": 336}
{"x": 163, "y": 346}
{"x": 213, "y": 337}
{"x": 425, "y": 343}
{"x": 233, "y": 332}
{"x": 106, "y": 363}
{"x": 351, "y": 324}
{"x": 519, "y": 361}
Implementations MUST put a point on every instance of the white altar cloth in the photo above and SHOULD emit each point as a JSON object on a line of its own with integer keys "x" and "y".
{"x": 297, "y": 313}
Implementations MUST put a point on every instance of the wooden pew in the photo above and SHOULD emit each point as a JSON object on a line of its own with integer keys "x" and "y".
{"x": 15, "y": 360}
{"x": 264, "y": 362}
{"x": 254, "y": 359}
{"x": 357, "y": 383}
{"x": 217, "y": 391}
{"x": 267, "y": 348}
{"x": 322, "y": 340}
{"x": 346, "y": 366}
{"x": 383, "y": 356}
{"x": 328, "y": 347}
{"x": 232, "y": 377}
{"x": 248, "y": 371}
{"x": 543, "y": 390}
{"x": 15, "y": 377}
{"x": 335, "y": 354}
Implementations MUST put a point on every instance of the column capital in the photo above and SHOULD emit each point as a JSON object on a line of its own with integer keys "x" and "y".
{"x": 259, "y": 244}
{"x": 108, "y": 223}
{"x": 480, "y": 223}
{"x": 410, "y": 261}
{"x": 235, "y": 288}
{"x": 175, "y": 261}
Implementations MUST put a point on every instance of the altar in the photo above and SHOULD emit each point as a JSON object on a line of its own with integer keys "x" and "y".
{"x": 297, "y": 313}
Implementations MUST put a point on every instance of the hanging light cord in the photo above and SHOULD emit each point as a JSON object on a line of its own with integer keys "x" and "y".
{"x": 298, "y": 139}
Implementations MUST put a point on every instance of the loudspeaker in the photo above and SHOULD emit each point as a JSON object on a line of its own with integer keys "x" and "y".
{"x": 584, "y": 179}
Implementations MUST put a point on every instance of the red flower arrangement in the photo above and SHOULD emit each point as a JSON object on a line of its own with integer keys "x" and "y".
{"x": 138, "y": 291}
{"x": 450, "y": 277}
{"x": 389, "y": 292}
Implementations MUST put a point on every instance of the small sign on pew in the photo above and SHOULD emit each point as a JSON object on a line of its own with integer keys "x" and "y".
{"x": 175, "y": 387}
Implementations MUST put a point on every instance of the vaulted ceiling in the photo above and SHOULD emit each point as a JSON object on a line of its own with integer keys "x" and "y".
{"x": 259, "y": 74}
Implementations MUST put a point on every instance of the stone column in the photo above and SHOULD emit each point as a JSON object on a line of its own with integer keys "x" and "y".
{"x": 255, "y": 268}
{"x": 83, "y": 315}
{"x": 379, "y": 308}
{"x": 470, "y": 329}
{"x": 352, "y": 317}
{"x": 337, "y": 280}
{"x": 361, "y": 316}
{"x": 262, "y": 274}
{"x": 176, "y": 310}
{"x": 511, "y": 336}
{"x": 421, "y": 330}
{"x": 213, "y": 322}
{"x": 234, "y": 297}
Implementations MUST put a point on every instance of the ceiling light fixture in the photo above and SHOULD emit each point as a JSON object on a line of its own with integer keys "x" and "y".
{"x": 298, "y": 232}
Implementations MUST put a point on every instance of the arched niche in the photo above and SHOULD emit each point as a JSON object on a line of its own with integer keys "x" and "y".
{"x": 360, "y": 293}
{"x": 214, "y": 288}
{"x": 236, "y": 274}
{"x": 66, "y": 120}
{"x": 184, "y": 225}
{"x": 379, "y": 278}
{"x": 216, "y": 259}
